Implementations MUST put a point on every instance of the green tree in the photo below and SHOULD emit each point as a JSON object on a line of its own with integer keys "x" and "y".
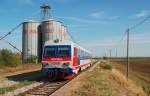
{"x": 8, "y": 58}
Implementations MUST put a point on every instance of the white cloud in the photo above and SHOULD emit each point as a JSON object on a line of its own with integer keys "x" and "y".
{"x": 142, "y": 13}
{"x": 76, "y": 26}
{"x": 104, "y": 42}
{"x": 84, "y": 20}
{"x": 101, "y": 15}
{"x": 98, "y": 14}
{"x": 114, "y": 17}
{"x": 30, "y": 2}
{"x": 100, "y": 44}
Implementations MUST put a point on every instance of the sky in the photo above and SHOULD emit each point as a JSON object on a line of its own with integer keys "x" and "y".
{"x": 97, "y": 25}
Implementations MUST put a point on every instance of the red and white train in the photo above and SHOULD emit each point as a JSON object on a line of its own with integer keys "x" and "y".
{"x": 64, "y": 60}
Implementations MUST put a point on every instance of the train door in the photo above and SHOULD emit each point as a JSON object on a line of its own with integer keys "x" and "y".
{"x": 75, "y": 57}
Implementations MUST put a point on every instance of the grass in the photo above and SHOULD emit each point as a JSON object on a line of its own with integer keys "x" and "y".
{"x": 96, "y": 84}
{"x": 16, "y": 86}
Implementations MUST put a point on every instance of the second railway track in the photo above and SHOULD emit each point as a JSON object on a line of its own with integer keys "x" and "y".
{"x": 44, "y": 89}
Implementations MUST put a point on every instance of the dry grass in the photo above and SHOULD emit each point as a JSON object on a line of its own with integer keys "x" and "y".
{"x": 119, "y": 78}
{"x": 94, "y": 85}
{"x": 101, "y": 82}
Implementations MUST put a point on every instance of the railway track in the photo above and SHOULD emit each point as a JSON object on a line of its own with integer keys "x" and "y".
{"x": 45, "y": 89}
{"x": 48, "y": 87}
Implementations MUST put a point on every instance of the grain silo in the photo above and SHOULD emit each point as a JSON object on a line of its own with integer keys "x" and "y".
{"x": 63, "y": 32}
{"x": 58, "y": 35}
{"x": 47, "y": 30}
{"x": 50, "y": 30}
{"x": 30, "y": 40}
{"x": 59, "y": 30}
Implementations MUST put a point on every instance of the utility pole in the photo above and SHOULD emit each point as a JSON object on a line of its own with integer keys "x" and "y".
{"x": 105, "y": 55}
{"x": 128, "y": 30}
{"x": 116, "y": 52}
{"x": 110, "y": 52}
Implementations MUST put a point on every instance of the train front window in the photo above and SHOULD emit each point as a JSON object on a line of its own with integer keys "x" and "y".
{"x": 63, "y": 51}
{"x": 57, "y": 51}
{"x": 50, "y": 52}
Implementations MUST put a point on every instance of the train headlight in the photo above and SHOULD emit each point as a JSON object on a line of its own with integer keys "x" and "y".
{"x": 65, "y": 65}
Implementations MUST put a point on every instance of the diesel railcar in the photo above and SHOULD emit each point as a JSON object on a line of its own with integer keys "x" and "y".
{"x": 64, "y": 60}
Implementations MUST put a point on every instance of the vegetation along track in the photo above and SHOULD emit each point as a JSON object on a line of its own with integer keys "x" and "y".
{"x": 48, "y": 87}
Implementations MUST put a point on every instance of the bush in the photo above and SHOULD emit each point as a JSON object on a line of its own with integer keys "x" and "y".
{"x": 8, "y": 58}
{"x": 108, "y": 66}
{"x": 105, "y": 58}
{"x": 32, "y": 59}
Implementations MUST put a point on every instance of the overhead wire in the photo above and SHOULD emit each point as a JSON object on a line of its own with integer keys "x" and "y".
{"x": 13, "y": 46}
{"x": 111, "y": 47}
{"x": 131, "y": 28}
{"x": 121, "y": 39}
{"x": 72, "y": 37}
{"x": 140, "y": 23}
{"x": 8, "y": 33}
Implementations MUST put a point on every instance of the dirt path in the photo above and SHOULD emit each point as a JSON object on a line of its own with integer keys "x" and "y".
{"x": 8, "y": 76}
{"x": 93, "y": 67}
{"x": 19, "y": 70}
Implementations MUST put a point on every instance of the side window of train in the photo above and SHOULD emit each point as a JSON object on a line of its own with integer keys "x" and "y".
{"x": 79, "y": 55}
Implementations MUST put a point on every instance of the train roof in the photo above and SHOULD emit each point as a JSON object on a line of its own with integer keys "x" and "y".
{"x": 66, "y": 42}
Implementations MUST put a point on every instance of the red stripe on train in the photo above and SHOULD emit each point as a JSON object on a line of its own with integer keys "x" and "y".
{"x": 56, "y": 59}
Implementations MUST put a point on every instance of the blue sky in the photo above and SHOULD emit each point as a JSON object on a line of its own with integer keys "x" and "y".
{"x": 95, "y": 24}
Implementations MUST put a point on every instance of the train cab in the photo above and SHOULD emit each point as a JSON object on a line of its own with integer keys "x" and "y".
{"x": 64, "y": 59}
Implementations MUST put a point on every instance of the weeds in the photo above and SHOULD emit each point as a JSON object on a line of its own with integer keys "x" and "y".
{"x": 16, "y": 86}
{"x": 106, "y": 65}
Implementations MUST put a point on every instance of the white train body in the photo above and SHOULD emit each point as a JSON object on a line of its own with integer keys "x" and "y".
{"x": 64, "y": 59}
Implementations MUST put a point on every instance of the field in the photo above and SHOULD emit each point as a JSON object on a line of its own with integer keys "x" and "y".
{"x": 139, "y": 71}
